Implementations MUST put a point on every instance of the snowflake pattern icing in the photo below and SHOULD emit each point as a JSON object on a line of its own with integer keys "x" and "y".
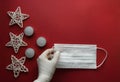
{"x": 16, "y": 41}
{"x": 17, "y": 17}
{"x": 17, "y": 65}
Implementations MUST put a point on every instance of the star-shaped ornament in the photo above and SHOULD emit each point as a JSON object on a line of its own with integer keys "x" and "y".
{"x": 16, "y": 41}
{"x": 17, "y": 17}
{"x": 17, "y": 65}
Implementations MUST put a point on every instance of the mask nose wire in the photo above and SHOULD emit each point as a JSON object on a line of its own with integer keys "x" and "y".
{"x": 106, "y": 55}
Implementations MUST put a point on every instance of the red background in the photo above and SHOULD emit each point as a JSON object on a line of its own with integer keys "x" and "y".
{"x": 64, "y": 21}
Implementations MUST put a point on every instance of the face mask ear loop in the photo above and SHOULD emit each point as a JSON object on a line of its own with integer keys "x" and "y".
{"x": 106, "y": 55}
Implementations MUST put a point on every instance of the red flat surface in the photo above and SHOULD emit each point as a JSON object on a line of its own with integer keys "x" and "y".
{"x": 64, "y": 21}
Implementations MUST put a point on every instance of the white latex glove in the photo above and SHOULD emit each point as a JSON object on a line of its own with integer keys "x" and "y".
{"x": 47, "y": 65}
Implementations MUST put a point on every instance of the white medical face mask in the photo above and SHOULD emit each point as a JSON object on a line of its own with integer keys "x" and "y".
{"x": 81, "y": 56}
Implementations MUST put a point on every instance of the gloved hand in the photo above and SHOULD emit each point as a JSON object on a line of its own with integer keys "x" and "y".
{"x": 47, "y": 65}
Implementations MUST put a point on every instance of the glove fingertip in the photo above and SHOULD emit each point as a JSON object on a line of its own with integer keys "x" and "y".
{"x": 35, "y": 81}
{"x": 56, "y": 56}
